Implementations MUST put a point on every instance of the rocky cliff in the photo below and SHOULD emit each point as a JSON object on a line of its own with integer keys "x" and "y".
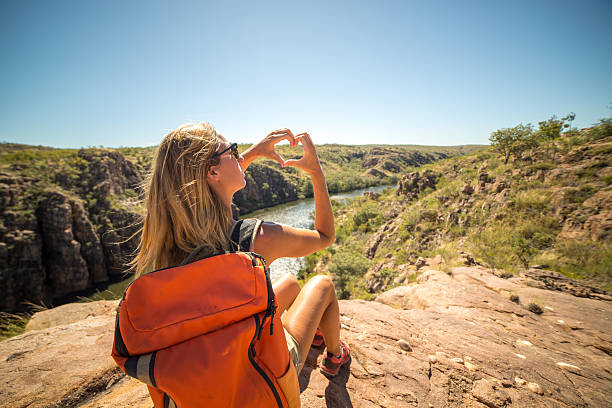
{"x": 468, "y": 339}
{"x": 65, "y": 231}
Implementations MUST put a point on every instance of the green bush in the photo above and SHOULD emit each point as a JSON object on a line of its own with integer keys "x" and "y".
{"x": 579, "y": 195}
{"x": 344, "y": 266}
{"x": 493, "y": 245}
{"x": 584, "y": 259}
{"x": 601, "y": 130}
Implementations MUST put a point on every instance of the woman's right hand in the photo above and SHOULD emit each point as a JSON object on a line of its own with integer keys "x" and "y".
{"x": 266, "y": 147}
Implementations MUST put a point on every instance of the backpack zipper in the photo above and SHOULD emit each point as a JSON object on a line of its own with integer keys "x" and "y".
{"x": 251, "y": 353}
{"x": 271, "y": 308}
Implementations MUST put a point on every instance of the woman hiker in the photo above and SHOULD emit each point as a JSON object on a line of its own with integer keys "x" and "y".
{"x": 198, "y": 169}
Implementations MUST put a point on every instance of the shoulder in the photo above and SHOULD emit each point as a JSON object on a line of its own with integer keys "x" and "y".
{"x": 246, "y": 233}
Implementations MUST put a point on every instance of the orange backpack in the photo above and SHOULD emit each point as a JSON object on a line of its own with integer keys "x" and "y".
{"x": 206, "y": 334}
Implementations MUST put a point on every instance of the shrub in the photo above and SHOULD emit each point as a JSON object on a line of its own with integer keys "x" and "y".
{"x": 601, "y": 130}
{"x": 12, "y": 324}
{"x": 535, "y": 308}
{"x": 532, "y": 200}
{"x": 344, "y": 266}
{"x": 579, "y": 195}
{"x": 584, "y": 259}
{"x": 514, "y": 298}
{"x": 492, "y": 245}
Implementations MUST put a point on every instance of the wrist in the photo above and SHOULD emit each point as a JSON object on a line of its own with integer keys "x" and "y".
{"x": 318, "y": 172}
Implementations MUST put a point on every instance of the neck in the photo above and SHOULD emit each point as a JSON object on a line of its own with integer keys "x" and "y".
{"x": 227, "y": 202}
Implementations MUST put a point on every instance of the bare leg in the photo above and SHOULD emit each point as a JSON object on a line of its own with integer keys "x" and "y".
{"x": 286, "y": 289}
{"x": 315, "y": 306}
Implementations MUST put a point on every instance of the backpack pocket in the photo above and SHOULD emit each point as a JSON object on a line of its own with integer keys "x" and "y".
{"x": 290, "y": 386}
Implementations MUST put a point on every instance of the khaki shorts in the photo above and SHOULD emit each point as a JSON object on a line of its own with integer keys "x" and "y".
{"x": 295, "y": 354}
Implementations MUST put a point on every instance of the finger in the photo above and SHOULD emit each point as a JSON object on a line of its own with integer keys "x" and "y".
{"x": 277, "y": 157}
{"x": 281, "y": 131}
{"x": 282, "y": 135}
{"x": 306, "y": 137}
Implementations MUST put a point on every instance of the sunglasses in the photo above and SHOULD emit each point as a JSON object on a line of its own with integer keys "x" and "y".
{"x": 233, "y": 147}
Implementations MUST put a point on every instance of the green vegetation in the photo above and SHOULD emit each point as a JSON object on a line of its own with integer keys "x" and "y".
{"x": 513, "y": 141}
{"x": 523, "y": 215}
{"x": 12, "y": 324}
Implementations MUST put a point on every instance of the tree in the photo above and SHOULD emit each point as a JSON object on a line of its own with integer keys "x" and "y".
{"x": 550, "y": 129}
{"x": 513, "y": 141}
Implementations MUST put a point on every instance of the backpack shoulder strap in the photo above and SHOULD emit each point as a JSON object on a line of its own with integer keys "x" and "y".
{"x": 243, "y": 235}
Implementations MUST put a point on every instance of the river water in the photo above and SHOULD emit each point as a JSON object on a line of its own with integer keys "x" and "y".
{"x": 299, "y": 214}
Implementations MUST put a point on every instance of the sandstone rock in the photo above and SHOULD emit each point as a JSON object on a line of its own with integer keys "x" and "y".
{"x": 535, "y": 387}
{"x": 70, "y": 313}
{"x": 467, "y": 189}
{"x": 556, "y": 281}
{"x": 489, "y": 394}
{"x": 468, "y": 315}
{"x": 420, "y": 263}
{"x": 373, "y": 243}
{"x": 499, "y": 186}
{"x": 379, "y": 277}
{"x": 569, "y": 367}
{"x": 371, "y": 195}
{"x": 403, "y": 344}
{"x": 411, "y": 185}
{"x": 42, "y": 367}
{"x": 470, "y": 366}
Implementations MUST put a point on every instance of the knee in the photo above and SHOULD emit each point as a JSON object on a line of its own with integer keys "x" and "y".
{"x": 292, "y": 282}
{"x": 323, "y": 282}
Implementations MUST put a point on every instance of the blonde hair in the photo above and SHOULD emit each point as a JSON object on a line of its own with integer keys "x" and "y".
{"x": 183, "y": 213}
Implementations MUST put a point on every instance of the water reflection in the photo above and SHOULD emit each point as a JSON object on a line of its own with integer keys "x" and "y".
{"x": 299, "y": 214}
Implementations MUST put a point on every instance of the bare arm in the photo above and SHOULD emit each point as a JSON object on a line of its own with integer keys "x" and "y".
{"x": 275, "y": 241}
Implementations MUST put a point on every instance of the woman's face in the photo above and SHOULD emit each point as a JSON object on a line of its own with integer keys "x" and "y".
{"x": 230, "y": 175}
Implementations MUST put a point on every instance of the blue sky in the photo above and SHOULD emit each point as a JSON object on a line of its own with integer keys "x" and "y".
{"x": 85, "y": 73}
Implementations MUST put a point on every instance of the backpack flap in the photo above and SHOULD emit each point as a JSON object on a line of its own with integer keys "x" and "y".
{"x": 172, "y": 305}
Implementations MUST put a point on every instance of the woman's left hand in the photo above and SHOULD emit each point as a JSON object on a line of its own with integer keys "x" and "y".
{"x": 310, "y": 161}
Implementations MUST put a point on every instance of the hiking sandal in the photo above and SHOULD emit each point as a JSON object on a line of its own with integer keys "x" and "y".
{"x": 318, "y": 339}
{"x": 331, "y": 365}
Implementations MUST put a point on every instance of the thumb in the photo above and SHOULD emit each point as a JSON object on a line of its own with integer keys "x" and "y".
{"x": 293, "y": 163}
{"x": 277, "y": 157}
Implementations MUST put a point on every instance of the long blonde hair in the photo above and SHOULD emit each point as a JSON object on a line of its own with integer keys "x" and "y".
{"x": 183, "y": 213}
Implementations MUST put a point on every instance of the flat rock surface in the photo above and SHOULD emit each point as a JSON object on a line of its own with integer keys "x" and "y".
{"x": 463, "y": 343}
{"x": 69, "y": 313}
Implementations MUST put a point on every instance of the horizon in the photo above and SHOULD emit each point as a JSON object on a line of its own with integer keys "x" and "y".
{"x": 401, "y": 72}
{"x": 4, "y": 142}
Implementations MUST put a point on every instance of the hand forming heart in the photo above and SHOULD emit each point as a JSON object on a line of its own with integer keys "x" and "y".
{"x": 309, "y": 162}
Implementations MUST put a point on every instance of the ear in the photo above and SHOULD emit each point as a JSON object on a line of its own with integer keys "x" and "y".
{"x": 213, "y": 174}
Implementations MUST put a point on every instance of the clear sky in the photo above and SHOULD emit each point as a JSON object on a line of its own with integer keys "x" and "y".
{"x": 125, "y": 73}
